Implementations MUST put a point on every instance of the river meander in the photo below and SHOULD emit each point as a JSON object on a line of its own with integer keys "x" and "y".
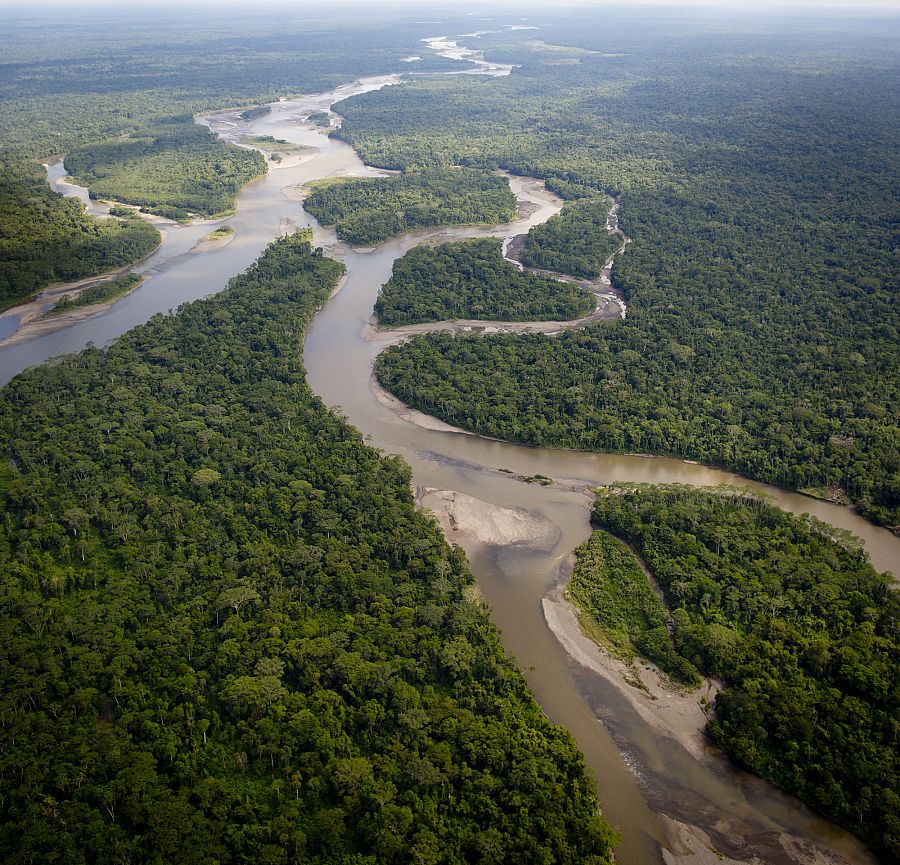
{"x": 641, "y": 775}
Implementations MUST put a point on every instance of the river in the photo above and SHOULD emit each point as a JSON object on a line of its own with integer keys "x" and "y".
{"x": 642, "y": 776}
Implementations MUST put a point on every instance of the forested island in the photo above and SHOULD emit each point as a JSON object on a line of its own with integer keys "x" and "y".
{"x": 99, "y": 292}
{"x": 575, "y": 241}
{"x": 256, "y": 112}
{"x": 125, "y": 102}
{"x": 229, "y": 634}
{"x": 369, "y": 211}
{"x": 761, "y": 338}
{"x": 177, "y": 169}
{"x": 471, "y": 280}
{"x": 787, "y": 612}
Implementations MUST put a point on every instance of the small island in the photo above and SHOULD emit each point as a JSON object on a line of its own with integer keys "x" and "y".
{"x": 220, "y": 233}
{"x": 368, "y": 211}
{"x": 255, "y": 113}
{"x": 171, "y": 168}
{"x": 105, "y": 291}
{"x": 276, "y": 149}
{"x": 319, "y": 118}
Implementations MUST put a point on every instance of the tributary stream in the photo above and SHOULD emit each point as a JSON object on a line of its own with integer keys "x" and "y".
{"x": 641, "y": 774}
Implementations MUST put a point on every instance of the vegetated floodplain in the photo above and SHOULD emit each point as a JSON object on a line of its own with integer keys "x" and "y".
{"x": 176, "y": 170}
{"x": 574, "y": 241}
{"x": 619, "y": 609}
{"x": 788, "y": 612}
{"x": 228, "y": 632}
{"x": 59, "y": 91}
{"x": 755, "y": 178}
{"x": 125, "y": 90}
{"x": 45, "y": 238}
{"x": 471, "y": 280}
{"x": 369, "y": 211}
{"x": 256, "y": 112}
{"x": 101, "y": 292}
{"x": 276, "y": 148}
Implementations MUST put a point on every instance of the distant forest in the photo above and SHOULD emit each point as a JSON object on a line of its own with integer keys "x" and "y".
{"x": 120, "y": 105}
{"x": 756, "y": 180}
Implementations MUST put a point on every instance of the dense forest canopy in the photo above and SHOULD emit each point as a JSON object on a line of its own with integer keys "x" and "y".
{"x": 229, "y": 635}
{"x": 45, "y": 238}
{"x": 757, "y": 178}
{"x": 471, "y": 280}
{"x": 174, "y": 169}
{"x": 790, "y": 614}
{"x": 574, "y": 241}
{"x": 366, "y": 211}
{"x": 618, "y": 608}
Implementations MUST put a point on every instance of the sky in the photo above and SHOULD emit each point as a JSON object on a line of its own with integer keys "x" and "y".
{"x": 737, "y": 4}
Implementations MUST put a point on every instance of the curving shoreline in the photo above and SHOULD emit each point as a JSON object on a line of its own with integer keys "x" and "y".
{"x": 502, "y": 487}
{"x": 31, "y": 323}
{"x": 608, "y": 305}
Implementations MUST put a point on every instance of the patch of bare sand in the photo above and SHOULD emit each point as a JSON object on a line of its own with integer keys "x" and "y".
{"x": 686, "y": 844}
{"x": 671, "y": 711}
{"x": 208, "y": 244}
{"x": 403, "y": 411}
{"x": 32, "y": 324}
{"x": 690, "y": 845}
{"x": 461, "y": 515}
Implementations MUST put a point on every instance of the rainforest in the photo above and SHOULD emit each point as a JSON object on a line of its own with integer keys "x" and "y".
{"x": 515, "y": 478}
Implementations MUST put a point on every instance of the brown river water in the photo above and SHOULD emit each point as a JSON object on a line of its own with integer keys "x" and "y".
{"x": 642, "y": 775}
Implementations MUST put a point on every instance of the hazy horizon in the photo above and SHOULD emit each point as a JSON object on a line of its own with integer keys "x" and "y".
{"x": 443, "y": 5}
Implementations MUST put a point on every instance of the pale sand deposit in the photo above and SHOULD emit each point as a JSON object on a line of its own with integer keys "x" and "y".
{"x": 461, "y": 515}
{"x": 403, "y": 411}
{"x": 289, "y": 160}
{"x": 33, "y": 325}
{"x": 681, "y": 715}
{"x": 207, "y": 244}
{"x": 670, "y": 710}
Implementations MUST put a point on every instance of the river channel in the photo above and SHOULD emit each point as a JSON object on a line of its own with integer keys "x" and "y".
{"x": 644, "y": 778}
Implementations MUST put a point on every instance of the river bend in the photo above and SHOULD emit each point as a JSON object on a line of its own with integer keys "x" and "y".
{"x": 657, "y": 794}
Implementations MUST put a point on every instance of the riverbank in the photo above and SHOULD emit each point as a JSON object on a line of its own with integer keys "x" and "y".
{"x": 411, "y": 415}
{"x": 678, "y": 713}
{"x": 32, "y": 319}
{"x": 514, "y": 578}
{"x": 694, "y": 831}
{"x": 608, "y": 302}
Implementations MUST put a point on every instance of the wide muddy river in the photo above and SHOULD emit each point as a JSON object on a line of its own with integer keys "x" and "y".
{"x": 643, "y": 777}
